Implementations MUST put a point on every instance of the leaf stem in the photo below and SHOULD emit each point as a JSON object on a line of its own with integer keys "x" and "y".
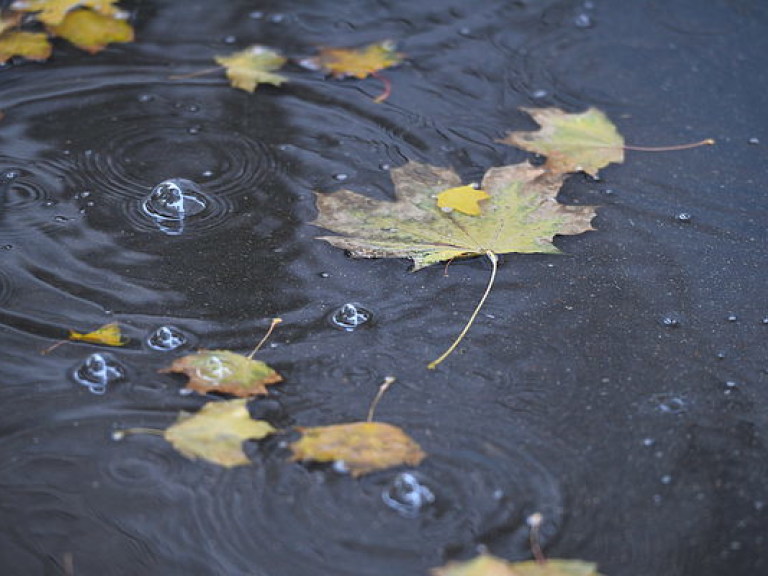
{"x": 120, "y": 434}
{"x": 53, "y": 347}
{"x": 387, "y": 87}
{"x": 195, "y": 74}
{"x": 707, "y": 142}
{"x": 534, "y": 522}
{"x": 275, "y": 322}
{"x": 383, "y": 387}
{"x": 495, "y": 265}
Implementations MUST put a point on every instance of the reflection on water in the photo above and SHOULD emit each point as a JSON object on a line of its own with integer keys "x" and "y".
{"x": 606, "y": 390}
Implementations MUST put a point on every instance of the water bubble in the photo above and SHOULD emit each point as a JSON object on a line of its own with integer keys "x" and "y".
{"x": 229, "y": 39}
{"x": 670, "y": 404}
{"x": 277, "y": 18}
{"x": 465, "y": 31}
{"x": 407, "y": 496}
{"x": 172, "y": 201}
{"x": 193, "y": 108}
{"x": 540, "y": 93}
{"x": 166, "y": 338}
{"x": 731, "y": 387}
{"x": 350, "y": 316}
{"x": 341, "y": 177}
{"x": 765, "y": 320}
{"x": 732, "y": 318}
{"x": 60, "y": 219}
{"x": 194, "y": 129}
{"x": 207, "y": 173}
{"x": 99, "y": 371}
{"x": 666, "y": 479}
{"x": 256, "y": 15}
{"x": 684, "y": 217}
{"x": 754, "y": 141}
{"x": 10, "y": 174}
{"x": 648, "y": 442}
{"x": 144, "y": 98}
{"x": 583, "y": 20}
{"x": 671, "y": 320}
{"x": 324, "y": 275}
{"x": 385, "y": 166}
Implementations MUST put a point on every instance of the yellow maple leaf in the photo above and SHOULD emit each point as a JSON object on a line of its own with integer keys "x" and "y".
{"x": 30, "y": 45}
{"x": 360, "y": 447}
{"x": 53, "y": 12}
{"x": 109, "y": 335}
{"x": 248, "y": 68}
{"x": 465, "y": 199}
{"x": 10, "y": 21}
{"x": 489, "y": 565}
{"x": 216, "y": 433}
{"x": 358, "y": 62}
{"x": 92, "y": 31}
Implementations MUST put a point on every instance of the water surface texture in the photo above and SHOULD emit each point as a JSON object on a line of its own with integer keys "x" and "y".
{"x": 620, "y": 390}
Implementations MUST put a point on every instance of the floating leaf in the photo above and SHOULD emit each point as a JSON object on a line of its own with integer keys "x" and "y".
{"x": 360, "y": 447}
{"x": 465, "y": 199}
{"x": 53, "y": 12}
{"x": 216, "y": 433}
{"x": 91, "y": 31}
{"x": 30, "y": 45}
{"x": 488, "y": 565}
{"x": 226, "y": 372}
{"x": 248, "y": 68}
{"x": 358, "y": 62}
{"x": 9, "y": 21}
{"x": 585, "y": 142}
{"x": 520, "y": 215}
{"x": 109, "y": 335}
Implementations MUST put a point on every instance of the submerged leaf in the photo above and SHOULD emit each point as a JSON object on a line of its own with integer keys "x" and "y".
{"x": 92, "y": 31}
{"x": 585, "y": 142}
{"x": 53, "y": 12}
{"x": 488, "y": 565}
{"x": 109, "y": 335}
{"x": 360, "y": 447}
{"x": 358, "y": 62}
{"x": 216, "y": 433}
{"x": 30, "y": 45}
{"x": 248, "y": 68}
{"x": 520, "y": 215}
{"x": 226, "y": 372}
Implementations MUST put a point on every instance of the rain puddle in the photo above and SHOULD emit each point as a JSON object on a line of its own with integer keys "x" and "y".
{"x": 618, "y": 391}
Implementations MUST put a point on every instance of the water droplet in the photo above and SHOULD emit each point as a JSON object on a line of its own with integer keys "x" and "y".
{"x": 583, "y": 20}
{"x": 144, "y": 98}
{"x": 49, "y": 203}
{"x": 207, "y": 173}
{"x": 171, "y": 201}
{"x": 194, "y": 129}
{"x": 340, "y": 176}
{"x": 407, "y": 496}
{"x": 385, "y": 166}
{"x": 166, "y": 338}
{"x": 10, "y": 174}
{"x": 731, "y": 387}
{"x": 324, "y": 275}
{"x": 60, "y": 219}
{"x": 229, "y": 39}
{"x": 99, "y": 371}
{"x": 540, "y": 93}
{"x": 648, "y": 442}
{"x": 256, "y": 15}
{"x": 670, "y": 404}
{"x": 684, "y": 217}
{"x": 754, "y": 141}
{"x": 666, "y": 479}
{"x": 671, "y": 320}
{"x": 277, "y": 18}
{"x": 193, "y": 108}
{"x": 732, "y": 318}
{"x": 465, "y": 31}
{"x": 765, "y": 320}
{"x": 350, "y": 316}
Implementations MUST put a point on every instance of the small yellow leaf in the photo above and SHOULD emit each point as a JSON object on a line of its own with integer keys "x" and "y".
{"x": 358, "y": 62}
{"x": 226, "y": 372}
{"x": 465, "y": 199}
{"x": 586, "y": 141}
{"x": 216, "y": 433}
{"x": 360, "y": 447}
{"x": 488, "y": 565}
{"x": 52, "y": 12}
{"x": 248, "y": 68}
{"x": 91, "y": 31}
{"x": 30, "y": 45}
{"x": 109, "y": 335}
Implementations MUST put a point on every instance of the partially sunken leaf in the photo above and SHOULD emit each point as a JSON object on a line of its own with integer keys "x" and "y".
{"x": 465, "y": 199}
{"x": 585, "y": 142}
{"x": 226, "y": 372}
{"x": 520, "y": 215}
{"x": 52, "y": 12}
{"x": 248, "y": 68}
{"x": 91, "y": 31}
{"x": 358, "y": 62}
{"x": 216, "y": 433}
{"x": 360, "y": 447}
{"x": 488, "y": 565}
{"x": 109, "y": 335}
{"x": 30, "y": 45}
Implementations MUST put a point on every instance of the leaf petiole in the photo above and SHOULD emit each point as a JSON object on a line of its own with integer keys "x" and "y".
{"x": 383, "y": 387}
{"x": 387, "y": 87}
{"x": 204, "y": 72}
{"x": 495, "y": 265}
{"x": 706, "y": 142}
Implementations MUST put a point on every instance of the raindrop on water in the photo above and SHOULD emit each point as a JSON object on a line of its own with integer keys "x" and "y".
{"x": 350, "y": 316}
{"x": 172, "y": 201}
{"x": 684, "y": 217}
{"x": 99, "y": 371}
{"x": 407, "y": 495}
{"x": 10, "y": 174}
{"x": 166, "y": 338}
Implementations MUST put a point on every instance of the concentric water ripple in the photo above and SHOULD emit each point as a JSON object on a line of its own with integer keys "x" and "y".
{"x": 300, "y": 519}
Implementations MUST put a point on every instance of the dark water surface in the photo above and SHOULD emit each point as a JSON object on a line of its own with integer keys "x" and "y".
{"x": 620, "y": 390}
